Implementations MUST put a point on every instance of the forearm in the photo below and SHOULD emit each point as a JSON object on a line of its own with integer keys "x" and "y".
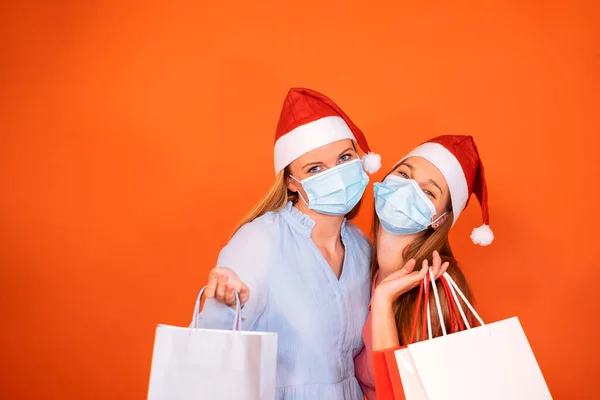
{"x": 383, "y": 325}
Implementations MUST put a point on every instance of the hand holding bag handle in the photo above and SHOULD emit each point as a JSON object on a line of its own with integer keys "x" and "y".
{"x": 237, "y": 324}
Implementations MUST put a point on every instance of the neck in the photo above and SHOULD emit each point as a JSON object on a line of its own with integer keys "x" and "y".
{"x": 326, "y": 232}
{"x": 389, "y": 251}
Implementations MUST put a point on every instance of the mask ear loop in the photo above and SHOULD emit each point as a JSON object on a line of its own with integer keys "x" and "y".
{"x": 298, "y": 192}
{"x": 437, "y": 219}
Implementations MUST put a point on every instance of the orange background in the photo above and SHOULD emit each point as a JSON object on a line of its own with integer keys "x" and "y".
{"x": 134, "y": 137}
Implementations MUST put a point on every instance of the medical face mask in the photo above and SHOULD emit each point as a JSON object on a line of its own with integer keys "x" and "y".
{"x": 402, "y": 207}
{"x": 337, "y": 190}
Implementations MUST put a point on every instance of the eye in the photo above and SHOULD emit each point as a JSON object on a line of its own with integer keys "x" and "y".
{"x": 429, "y": 193}
{"x": 314, "y": 169}
{"x": 403, "y": 174}
{"x": 344, "y": 158}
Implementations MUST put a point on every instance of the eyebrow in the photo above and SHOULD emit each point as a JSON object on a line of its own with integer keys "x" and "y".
{"x": 434, "y": 183}
{"x": 345, "y": 151}
{"x": 312, "y": 164}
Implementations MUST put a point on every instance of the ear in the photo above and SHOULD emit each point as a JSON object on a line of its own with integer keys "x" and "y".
{"x": 291, "y": 184}
{"x": 440, "y": 221}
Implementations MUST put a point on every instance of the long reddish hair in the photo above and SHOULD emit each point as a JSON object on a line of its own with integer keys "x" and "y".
{"x": 420, "y": 249}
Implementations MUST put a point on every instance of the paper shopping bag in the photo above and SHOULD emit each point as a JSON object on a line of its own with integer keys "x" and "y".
{"x": 386, "y": 375}
{"x": 391, "y": 364}
{"x": 191, "y": 363}
{"x": 491, "y": 361}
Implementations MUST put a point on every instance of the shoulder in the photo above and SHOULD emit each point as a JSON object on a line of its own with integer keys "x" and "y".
{"x": 257, "y": 237}
{"x": 260, "y": 229}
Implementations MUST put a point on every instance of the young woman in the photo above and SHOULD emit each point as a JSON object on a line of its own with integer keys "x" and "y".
{"x": 416, "y": 205}
{"x": 300, "y": 267}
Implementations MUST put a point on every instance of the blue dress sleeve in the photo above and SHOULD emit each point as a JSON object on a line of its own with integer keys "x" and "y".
{"x": 248, "y": 253}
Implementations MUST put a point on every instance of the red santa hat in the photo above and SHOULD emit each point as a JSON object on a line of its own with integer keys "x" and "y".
{"x": 457, "y": 158}
{"x": 310, "y": 120}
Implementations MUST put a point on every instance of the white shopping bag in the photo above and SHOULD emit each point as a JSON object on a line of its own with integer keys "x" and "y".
{"x": 191, "y": 363}
{"x": 492, "y": 361}
{"x": 411, "y": 382}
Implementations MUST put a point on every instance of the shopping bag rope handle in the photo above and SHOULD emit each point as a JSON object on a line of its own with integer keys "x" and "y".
{"x": 437, "y": 303}
{"x": 236, "y": 321}
{"x": 455, "y": 318}
{"x": 414, "y": 326}
{"x": 457, "y": 303}
{"x": 453, "y": 288}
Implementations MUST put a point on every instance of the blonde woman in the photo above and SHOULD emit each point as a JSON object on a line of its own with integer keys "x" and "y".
{"x": 300, "y": 267}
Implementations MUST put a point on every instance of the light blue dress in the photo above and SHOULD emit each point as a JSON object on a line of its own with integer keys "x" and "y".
{"x": 293, "y": 291}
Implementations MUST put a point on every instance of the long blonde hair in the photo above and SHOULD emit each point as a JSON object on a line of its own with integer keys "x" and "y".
{"x": 277, "y": 197}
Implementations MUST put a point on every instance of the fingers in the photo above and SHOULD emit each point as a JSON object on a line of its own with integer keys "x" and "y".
{"x": 444, "y": 268}
{"x": 211, "y": 287}
{"x": 415, "y": 278}
{"x": 436, "y": 264}
{"x": 437, "y": 261}
{"x": 424, "y": 269}
{"x": 438, "y": 268}
{"x": 221, "y": 287}
{"x": 407, "y": 278}
{"x": 230, "y": 295}
{"x": 405, "y": 270}
{"x": 410, "y": 265}
{"x": 244, "y": 294}
{"x": 408, "y": 272}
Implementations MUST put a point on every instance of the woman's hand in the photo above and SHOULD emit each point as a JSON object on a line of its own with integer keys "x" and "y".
{"x": 222, "y": 285}
{"x": 406, "y": 278}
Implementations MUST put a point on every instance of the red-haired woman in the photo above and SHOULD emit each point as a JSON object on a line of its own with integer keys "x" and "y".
{"x": 416, "y": 205}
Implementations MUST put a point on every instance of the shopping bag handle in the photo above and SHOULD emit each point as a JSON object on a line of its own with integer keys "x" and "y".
{"x": 453, "y": 288}
{"x": 415, "y": 318}
{"x": 455, "y": 318}
{"x": 426, "y": 325}
{"x": 237, "y": 324}
{"x": 456, "y": 303}
{"x": 437, "y": 303}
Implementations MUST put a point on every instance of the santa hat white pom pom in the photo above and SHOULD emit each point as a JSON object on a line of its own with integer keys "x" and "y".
{"x": 482, "y": 235}
{"x": 371, "y": 162}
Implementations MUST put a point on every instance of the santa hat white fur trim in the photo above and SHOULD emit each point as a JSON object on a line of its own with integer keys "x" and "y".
{"x": 450, "y": 167}
{"x": 308, "y": 137}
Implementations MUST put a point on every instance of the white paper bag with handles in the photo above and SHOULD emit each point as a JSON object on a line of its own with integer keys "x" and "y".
{"x": 491, "y": 361}
{"x": 196, "y": 364}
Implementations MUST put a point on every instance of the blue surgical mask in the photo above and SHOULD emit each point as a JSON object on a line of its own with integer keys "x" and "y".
{"x": 402, "y": 207}
{"x": 337, "y": 190}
